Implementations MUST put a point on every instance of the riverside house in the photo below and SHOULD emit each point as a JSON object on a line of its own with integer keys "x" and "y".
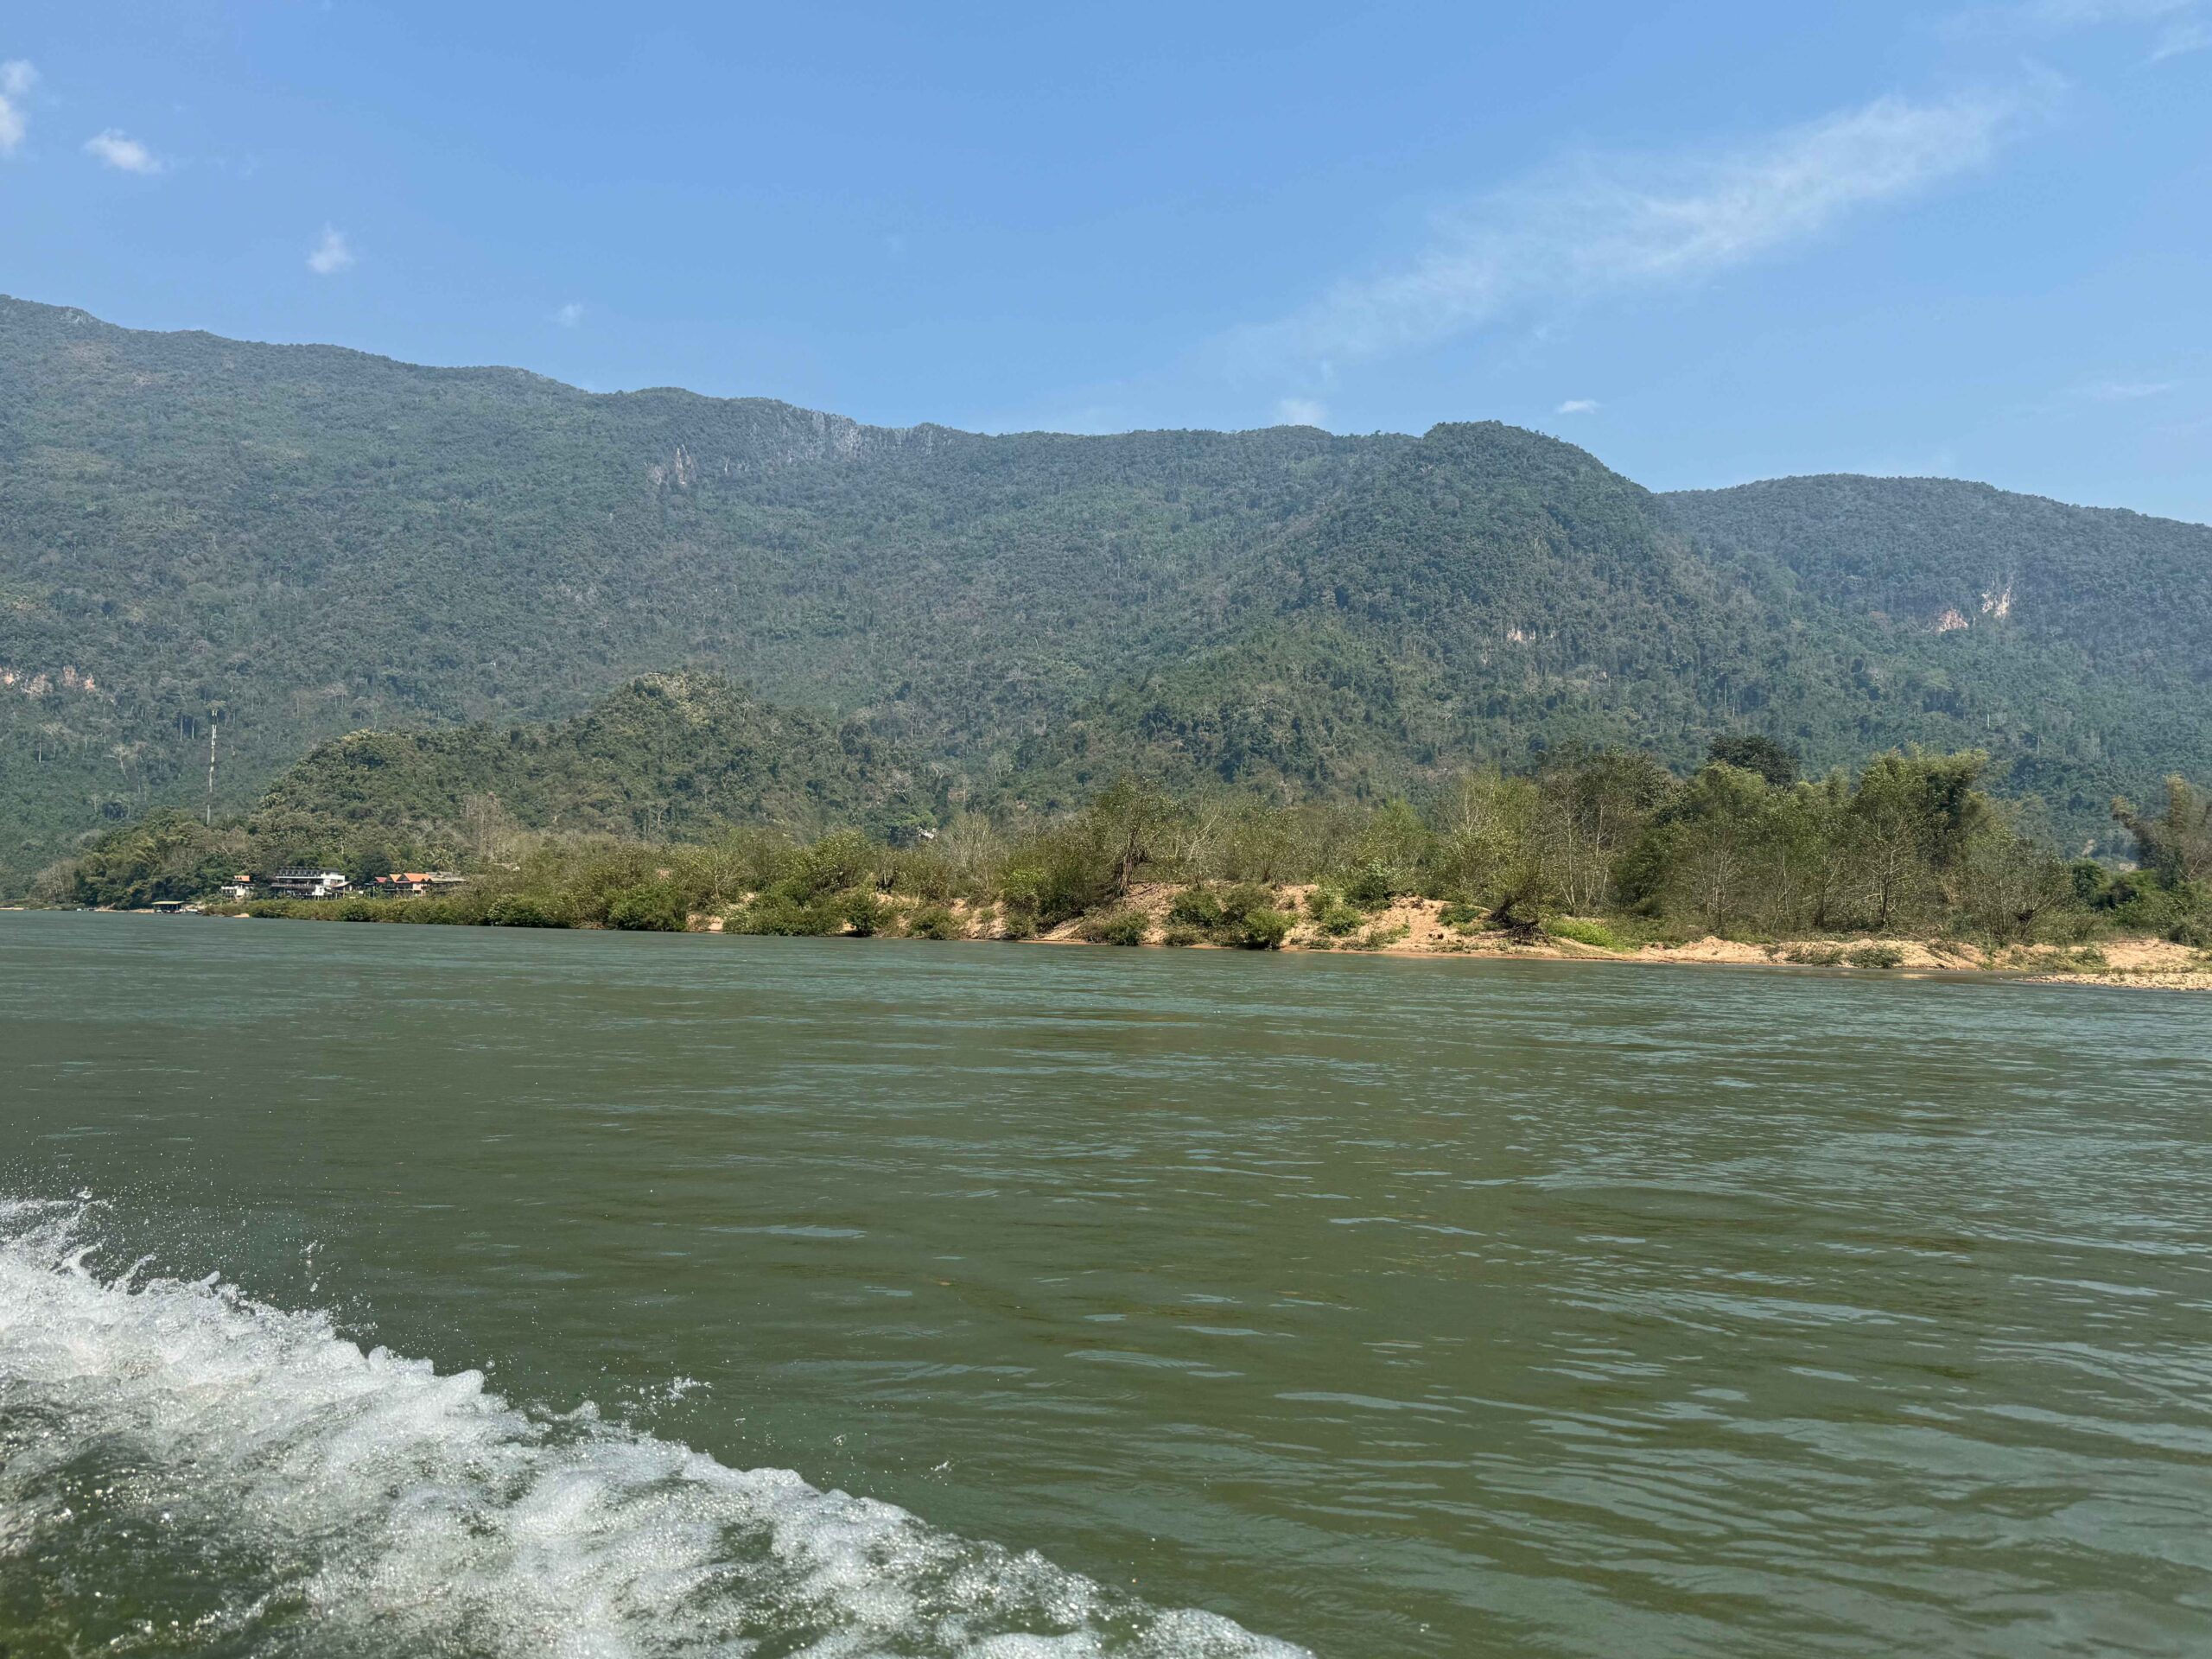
{"x": 308, "y": 884}
{"x": 410, "y": 884}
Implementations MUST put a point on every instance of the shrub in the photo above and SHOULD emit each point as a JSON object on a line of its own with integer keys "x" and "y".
{"x": 1815, "y": 955}
{"x": 1182, "y": 934}
{"x": 1371, "y": 885}
{"x": 1194, "y": 907}
{"x": 1876, "y": 956}
{"x": 1261, "y": 929}
{"x": 1584, "y": 932}
{"x": 935, "y": 922}
{"x": 780, "y": 914}
{"x": 1331, "y": 916}
{"x": 649, "y": 907}
{"x": 863, "y": 913}
{"x": 1460, "y": 916}
{"x": 1241, "y": 900}
{"x": 1126, "y": 927}
{"x": 526, "y": 910}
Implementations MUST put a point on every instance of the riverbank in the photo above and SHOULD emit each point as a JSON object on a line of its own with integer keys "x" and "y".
{"x": 1425, "y": 927}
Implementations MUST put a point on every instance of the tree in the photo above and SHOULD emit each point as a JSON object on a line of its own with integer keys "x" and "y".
{"x": 1751, "y": 752}
{"x": 2177, "y": 844}
{"x": 1911, "y": 817}
{"x": 1720, "y": 827}
{"x": 2011, "y": 873}
{"x": 1125, "y": 819}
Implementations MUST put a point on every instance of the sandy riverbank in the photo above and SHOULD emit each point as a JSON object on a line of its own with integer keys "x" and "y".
{"x": 1416, "y": 927}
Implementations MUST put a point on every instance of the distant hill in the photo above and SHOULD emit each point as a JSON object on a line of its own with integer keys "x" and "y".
{"x": 296, "y": 543}
{"x": 673, "y": 755}
{"x": 2074, "y": 642}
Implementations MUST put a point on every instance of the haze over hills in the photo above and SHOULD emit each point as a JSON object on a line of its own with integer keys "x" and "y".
{"x": 300, "y": 542}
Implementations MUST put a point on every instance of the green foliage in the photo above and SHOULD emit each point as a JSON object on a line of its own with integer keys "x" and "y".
{"x": 1875, "y": 956}
{"x": 1753, "y": 751}
{"x": 1333, "y": 917}
{"x": 935, "y": 922}
{"x": 1262, "y": 929}
{"x": 1582, "y": 931}
{"x": 1126, "y": 925}
{"x": 527, "y": 910}
{"x": 2177, "y": 845}
{"x": 864, "y": 912}
{"x": 1371, "y": 885}
{"x": 648, "y": 907}
{"x": 1196, "y": 909}
{"x": 1816, "y": 955}
{"x": 779, "y": 913}
{"x": 278, "y": 546}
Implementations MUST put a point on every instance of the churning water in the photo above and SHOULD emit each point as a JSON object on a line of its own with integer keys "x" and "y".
{"x": 394, "y": 1292}
{"x": 227, "y": 1476}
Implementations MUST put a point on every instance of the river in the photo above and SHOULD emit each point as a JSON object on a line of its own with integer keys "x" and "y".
{"x": 391, "y": 1291}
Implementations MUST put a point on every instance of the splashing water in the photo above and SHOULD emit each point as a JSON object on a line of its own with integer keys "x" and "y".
{"x": 183, "y": 1470}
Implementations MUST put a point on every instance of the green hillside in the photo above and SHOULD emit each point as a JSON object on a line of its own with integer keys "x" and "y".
{"x": 291, "y": 543}
{"x": 667, "y": 755}
{"x": 2076, "y": 643}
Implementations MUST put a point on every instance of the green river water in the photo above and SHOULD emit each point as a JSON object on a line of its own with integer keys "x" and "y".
{"x": 391, "y": 1291}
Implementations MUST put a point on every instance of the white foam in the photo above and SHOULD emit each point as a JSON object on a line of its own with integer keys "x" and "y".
{"x": 360, "y": 1502}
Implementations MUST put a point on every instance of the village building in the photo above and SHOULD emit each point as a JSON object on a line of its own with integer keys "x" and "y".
{"x": 308, "y": 883}
{"x": 410, "y": 884}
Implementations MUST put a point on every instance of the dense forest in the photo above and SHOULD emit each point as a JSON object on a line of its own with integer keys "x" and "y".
{"x": 216, "y": 556}
{"x": 565, "y": 825}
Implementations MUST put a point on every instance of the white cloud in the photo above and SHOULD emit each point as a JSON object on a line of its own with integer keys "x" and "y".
{"x": 16, "y": 80}
{"x": 2179, "y": 25}
{"x": 331, "y": 254}
{"x": 1600, "y": 224}
{"x": 1578, "y": 406}
{"x": 1301, "y": 411}
{"x": 126, "y": 154}
{"x": 2183, "y": 35}
{"x": 570, "y": 315}
{"x": 2126, "y": 391}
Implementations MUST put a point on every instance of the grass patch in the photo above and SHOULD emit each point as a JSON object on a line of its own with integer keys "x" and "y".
{"x": 1582, "y": 931}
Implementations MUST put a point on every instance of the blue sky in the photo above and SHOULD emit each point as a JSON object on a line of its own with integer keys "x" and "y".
{"x": 1709, "y": 242}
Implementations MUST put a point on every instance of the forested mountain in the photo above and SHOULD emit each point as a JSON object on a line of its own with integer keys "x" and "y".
{"x": 2079, "y": 639}
{"x": 667, "y": 755}
{"x": 295, "y": 543}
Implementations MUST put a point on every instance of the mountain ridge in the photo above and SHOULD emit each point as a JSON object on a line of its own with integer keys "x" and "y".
{"x": 290, "y": 543}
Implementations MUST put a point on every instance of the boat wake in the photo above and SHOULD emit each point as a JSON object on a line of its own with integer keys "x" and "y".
{"x": 184, "y": 1469}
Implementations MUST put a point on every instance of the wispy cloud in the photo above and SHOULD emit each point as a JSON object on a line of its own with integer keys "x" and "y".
{"x": 116, "y": 148}
{"x": 1598, "y": 223}
{"x": 2182, "y": 35}
{"x": 2175, "y": 26}
{"x": 570, "y": 314}
{"x": 1578, "y": 406}
{"x": 18, "y": 77}
{"x": 2126, "y": 391}
{"x": 1301, "y": 411}
{"x": 331, "y": 254}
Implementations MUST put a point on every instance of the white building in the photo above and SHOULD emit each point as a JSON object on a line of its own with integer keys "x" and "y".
{"x": 308, "y": 884}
